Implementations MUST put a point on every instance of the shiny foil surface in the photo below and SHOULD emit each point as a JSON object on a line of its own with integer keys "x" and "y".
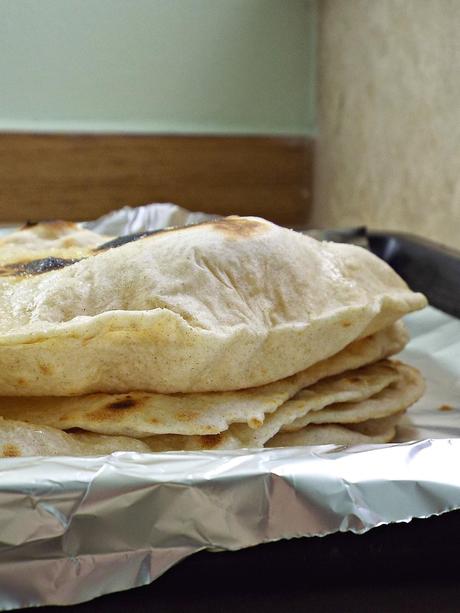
{"x": 72, "y": 529}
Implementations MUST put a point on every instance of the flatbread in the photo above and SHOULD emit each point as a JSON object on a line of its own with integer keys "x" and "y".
{"x": 399, "y": 395}
{"x": 46, "y": 240}
{"x": 392, "y": 400}
{"x": 224, "y": 305}
{"x": 21, "y": 439}
{"x": 141, "y": 414}
{"x": 18, "y": 439}
{"x": 371, "y": 432}
{"x": 324, "y": 434}
{"x": 359, "y": 391}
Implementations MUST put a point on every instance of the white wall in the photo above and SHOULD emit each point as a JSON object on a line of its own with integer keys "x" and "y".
{"x": 157, "y": 65}
{"x": 389, "y": 116}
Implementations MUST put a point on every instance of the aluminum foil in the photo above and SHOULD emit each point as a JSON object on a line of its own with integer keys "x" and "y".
{"x": 72, "y": 529}
{"x": 129, "y": 220}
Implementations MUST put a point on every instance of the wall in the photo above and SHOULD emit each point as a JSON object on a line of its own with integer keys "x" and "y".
{"x": 224, "y": 66}
{"x": 389, "y": 116}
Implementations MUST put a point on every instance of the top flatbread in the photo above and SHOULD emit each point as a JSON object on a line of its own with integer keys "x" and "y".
{"x": 225, "y": 305}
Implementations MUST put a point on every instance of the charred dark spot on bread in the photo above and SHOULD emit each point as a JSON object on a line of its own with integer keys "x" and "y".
{"x": 50, "y": 228}
{"x": 115, "y": 411}
{"x": 127, "y": 238}
{"x": 108, "y": 413}
{"x": 232, "y": 227}
{"x": 125, "y": 403}
{"x": 10, "y": 451}
{"x": 34, "y": 267}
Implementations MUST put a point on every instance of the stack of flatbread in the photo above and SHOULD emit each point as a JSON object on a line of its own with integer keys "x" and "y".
{"x": 229, "y": 334}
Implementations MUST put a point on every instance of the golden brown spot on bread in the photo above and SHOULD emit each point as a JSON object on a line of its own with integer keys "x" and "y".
{"x": 238, "y": 227}
{"x": 69, "y": 242}
{"x": 46, "y": 369}
{"x": 445, "y": 407}
{"x": 187, "y": 416}
{"x": 10, "y": 451}
{"x": 126, "y": 403}
{"x": 232, "y": 227}
{"x": 21, "y": 381}
{"x": 209, "y": 441}
{"x": 104, "y": 414}
{"x": 346, "y": 324}
{"x": 255, "y": 423}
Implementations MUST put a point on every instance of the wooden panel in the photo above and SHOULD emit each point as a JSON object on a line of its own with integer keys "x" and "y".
{"x": 83, "y": 176}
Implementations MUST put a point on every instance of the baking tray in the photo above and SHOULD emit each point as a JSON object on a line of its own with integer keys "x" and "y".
{"x": 266, "y": 577}
{"x": 426, "y": 266}
{"x": 390, "y": 568}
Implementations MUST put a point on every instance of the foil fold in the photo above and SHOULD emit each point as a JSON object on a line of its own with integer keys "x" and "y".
{"x": 98, "y": 525}
{"x": 72, "y": 529}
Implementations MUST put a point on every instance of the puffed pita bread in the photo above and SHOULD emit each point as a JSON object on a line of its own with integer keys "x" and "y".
{"x": 219, "y": 306}
{"x": 142, "y": 414}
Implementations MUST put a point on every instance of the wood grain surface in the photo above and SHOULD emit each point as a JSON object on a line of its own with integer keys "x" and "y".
{"x": 83, "y": 176}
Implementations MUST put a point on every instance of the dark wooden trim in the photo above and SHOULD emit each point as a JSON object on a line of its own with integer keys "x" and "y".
{"x": 83, "y": 176}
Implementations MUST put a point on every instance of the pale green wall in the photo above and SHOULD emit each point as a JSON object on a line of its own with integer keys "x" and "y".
{"x": 158, "y": 65}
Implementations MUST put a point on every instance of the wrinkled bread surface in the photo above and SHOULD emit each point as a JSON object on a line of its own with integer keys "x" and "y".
{"x": 224, "y": 305}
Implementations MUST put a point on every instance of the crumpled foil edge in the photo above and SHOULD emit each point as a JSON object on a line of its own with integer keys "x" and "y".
{"x": 100, "y": 525}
